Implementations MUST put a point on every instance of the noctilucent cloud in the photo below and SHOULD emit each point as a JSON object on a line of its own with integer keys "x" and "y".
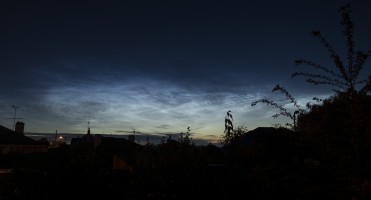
{"x": 158, "y": 67}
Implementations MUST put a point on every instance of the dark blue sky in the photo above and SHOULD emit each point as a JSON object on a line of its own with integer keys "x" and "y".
{"x": 161, "y": 66}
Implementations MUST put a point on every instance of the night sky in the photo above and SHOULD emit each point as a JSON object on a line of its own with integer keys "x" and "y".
{"x": 157, "y": 67}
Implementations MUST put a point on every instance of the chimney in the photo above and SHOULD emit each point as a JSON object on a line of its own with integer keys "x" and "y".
{"x": 19, "y": 128}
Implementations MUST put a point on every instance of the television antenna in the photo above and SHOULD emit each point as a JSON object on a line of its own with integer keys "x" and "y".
{"x": 15, "y": 115}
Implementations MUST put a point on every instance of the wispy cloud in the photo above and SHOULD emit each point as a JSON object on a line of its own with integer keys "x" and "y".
{"x": 147, "y": 104}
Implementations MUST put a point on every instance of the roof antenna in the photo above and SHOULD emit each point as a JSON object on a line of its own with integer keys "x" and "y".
{"x": 15, "y": 115}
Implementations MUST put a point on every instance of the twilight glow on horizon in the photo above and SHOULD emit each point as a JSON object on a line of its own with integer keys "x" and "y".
{"x": 158, "y": 68}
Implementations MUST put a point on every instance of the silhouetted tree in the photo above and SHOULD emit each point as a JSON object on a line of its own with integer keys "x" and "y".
{"x": 351, "y": 93}
{"x": 346, "y": 76}
{"x": 228, "y": 130}
{"x": 341, "y": 124}
{"x": 231, "y": 134}
{"x": 184, "y": 138}
{"x": 228, "y": 123}
{"x": 283, "y": 111}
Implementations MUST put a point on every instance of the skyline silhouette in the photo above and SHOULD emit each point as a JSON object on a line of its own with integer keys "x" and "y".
{"x": 161, "y": 67}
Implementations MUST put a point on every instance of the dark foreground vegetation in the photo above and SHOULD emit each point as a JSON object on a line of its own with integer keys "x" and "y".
{"x": 265, "y": 163}
{"x": 323, "y": 154}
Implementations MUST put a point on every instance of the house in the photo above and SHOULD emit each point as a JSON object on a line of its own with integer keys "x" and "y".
{"x": 15, "y": 142}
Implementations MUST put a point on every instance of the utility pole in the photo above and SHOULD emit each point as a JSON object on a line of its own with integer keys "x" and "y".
{"x": 88, "y": 128}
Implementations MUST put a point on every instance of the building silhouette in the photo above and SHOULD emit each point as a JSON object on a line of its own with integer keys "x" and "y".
{"x": 15, "y": 142}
